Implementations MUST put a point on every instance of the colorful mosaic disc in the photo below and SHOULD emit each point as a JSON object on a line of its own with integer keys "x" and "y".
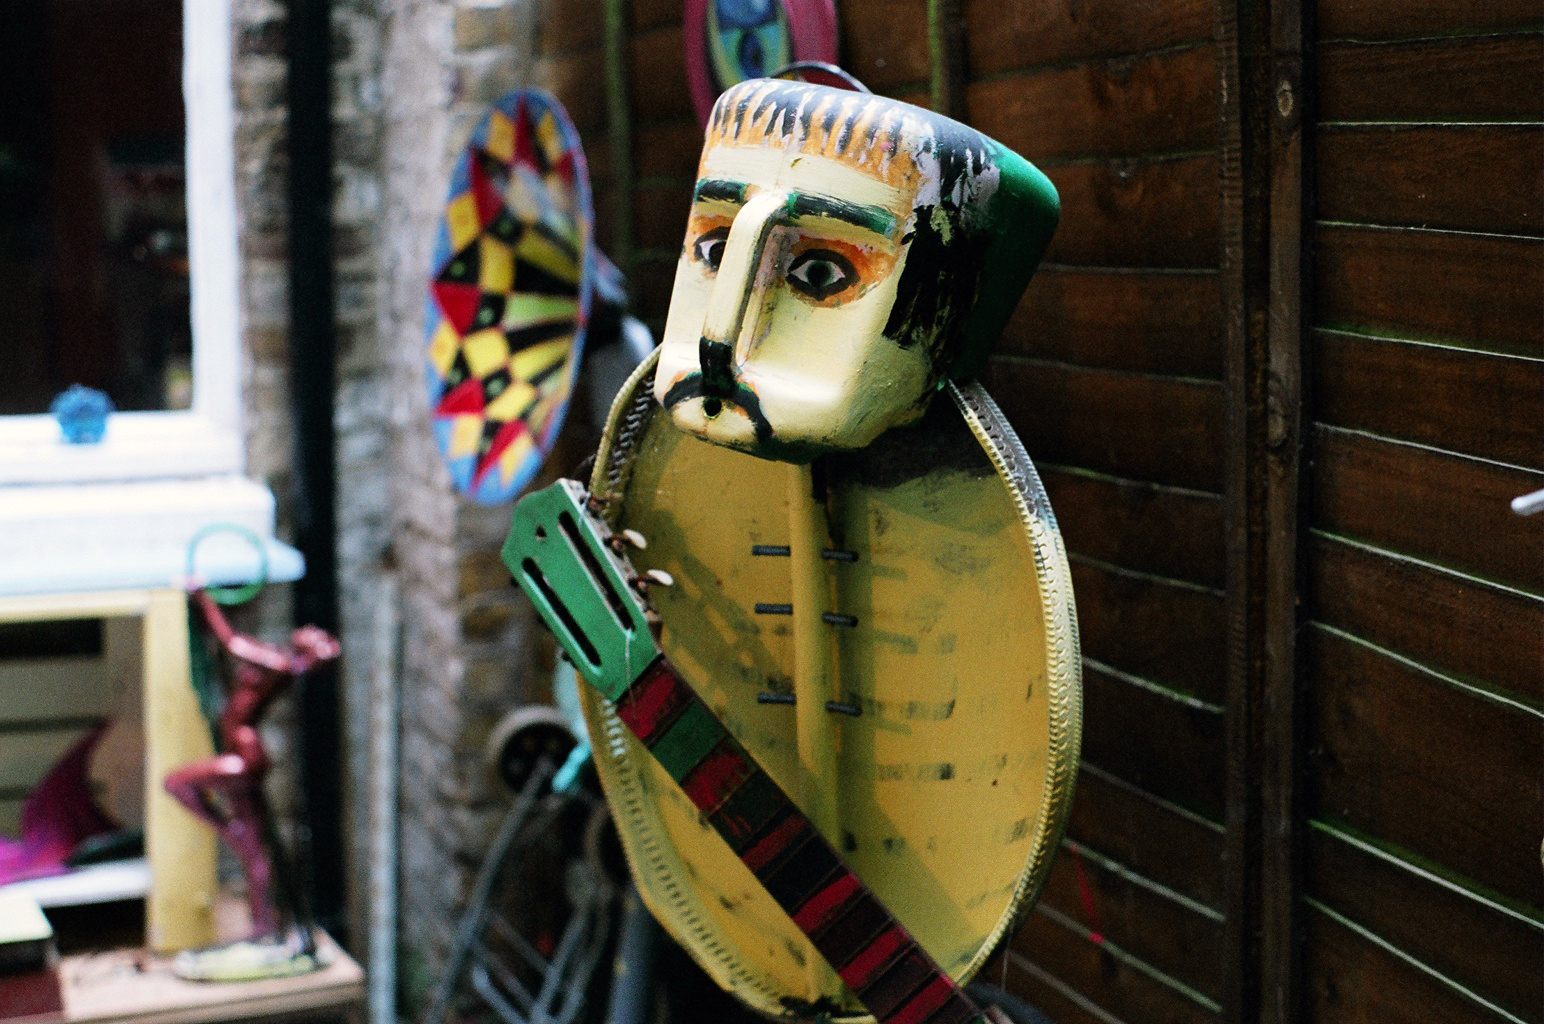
{"x": 510, "y": 295}
{"x": 729, "y": 41}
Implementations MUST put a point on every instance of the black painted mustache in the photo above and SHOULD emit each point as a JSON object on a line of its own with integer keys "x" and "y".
{"x": 692, "y": 386}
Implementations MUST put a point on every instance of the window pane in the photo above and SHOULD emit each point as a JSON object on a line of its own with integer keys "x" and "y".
{"x": 93, "y": 210}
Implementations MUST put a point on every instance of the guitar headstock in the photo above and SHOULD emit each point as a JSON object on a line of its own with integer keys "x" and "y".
{"x": 563, "y": 555}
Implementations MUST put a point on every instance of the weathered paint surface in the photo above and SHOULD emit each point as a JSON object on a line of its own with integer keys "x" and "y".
{"x": 953, "y": 780}
{"x": 845, "y": 253}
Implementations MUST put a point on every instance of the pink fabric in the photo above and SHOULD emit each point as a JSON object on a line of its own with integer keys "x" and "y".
{"x": 60, "y": 813}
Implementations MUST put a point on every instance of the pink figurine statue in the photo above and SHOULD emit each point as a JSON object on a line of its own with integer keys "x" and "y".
{"x": 226, "y": 791}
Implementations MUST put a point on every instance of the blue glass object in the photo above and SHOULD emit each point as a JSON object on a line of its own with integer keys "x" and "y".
{"x": 82, "y": 414}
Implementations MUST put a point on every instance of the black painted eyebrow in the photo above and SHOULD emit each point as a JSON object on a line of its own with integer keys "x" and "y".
{"x": 873, "y": 218}
{"x": 719, "y": 189}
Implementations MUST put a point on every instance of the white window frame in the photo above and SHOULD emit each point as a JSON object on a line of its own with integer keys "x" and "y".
{"x": 205, "y": 439}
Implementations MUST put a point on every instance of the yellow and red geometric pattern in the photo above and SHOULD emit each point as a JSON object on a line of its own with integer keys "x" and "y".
{"x": 510, "y": 295}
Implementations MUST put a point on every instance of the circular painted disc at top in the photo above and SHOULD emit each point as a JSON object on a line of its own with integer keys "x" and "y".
{"x": 955, "y": 778}
{"x": 730, "y": 41}
{"x": 510, "y": 295}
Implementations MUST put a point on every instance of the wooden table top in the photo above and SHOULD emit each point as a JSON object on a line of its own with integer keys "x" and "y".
{"x": 131, "y": 986}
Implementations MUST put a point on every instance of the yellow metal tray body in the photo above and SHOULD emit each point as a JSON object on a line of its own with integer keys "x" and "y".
{"x": 954, "y": 780}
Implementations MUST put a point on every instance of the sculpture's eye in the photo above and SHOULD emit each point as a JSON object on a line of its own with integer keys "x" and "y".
{"x": 708, "y": 249}
{"x": 821, "y": 273}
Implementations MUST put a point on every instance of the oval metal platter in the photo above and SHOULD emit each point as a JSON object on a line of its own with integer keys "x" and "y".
{"x": 961, "y": 663}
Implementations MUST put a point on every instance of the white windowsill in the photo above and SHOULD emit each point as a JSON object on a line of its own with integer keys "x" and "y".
{"x": 72, "y": 538}
{"x": 137, "y": 446}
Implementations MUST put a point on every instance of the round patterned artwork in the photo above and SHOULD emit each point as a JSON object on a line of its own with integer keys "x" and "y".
{"x": 510, "y": 296}
{"x": 729, "y": 41}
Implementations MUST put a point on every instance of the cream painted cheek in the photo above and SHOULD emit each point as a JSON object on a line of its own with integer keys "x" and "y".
{"x": 890, "y": 390}
{"x": 683, "y": 325}
{"x": 812, "y": 371}
{"x": 804, "y": 340}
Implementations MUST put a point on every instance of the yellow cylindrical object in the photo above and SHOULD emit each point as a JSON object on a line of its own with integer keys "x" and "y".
{"x": 812, "y": 674}
{"x": 181, "y": 849}
{"x": 814, "y": 677}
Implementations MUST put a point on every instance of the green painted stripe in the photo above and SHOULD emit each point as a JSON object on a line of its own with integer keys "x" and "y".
{"x": 714, "y": 189}
{"x": 872, "y": 218}
{"x": 688, "y": 741}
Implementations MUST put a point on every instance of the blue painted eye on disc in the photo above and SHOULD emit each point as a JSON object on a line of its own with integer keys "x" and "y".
{"x": 746, "y": 39}
{"x": 729, "y": 41}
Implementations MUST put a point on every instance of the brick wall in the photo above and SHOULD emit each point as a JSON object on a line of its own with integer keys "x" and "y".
{"x": 401, "y": 93}
{"x": 410, "y": 80}
{"x": 259, "y": 89}
{"x": 471, "y": 647}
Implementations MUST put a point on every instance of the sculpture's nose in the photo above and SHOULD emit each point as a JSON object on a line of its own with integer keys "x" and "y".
{"x": 716, "y": 359}
{"x": 739, "y": 291}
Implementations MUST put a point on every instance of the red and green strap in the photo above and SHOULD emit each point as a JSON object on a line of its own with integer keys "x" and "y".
{"x": 869, "y": 949}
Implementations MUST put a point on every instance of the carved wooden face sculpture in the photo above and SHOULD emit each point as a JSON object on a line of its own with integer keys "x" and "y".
{"x": 845, "y": 253}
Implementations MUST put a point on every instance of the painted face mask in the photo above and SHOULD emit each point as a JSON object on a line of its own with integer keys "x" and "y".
{"x": 845, "y": 254}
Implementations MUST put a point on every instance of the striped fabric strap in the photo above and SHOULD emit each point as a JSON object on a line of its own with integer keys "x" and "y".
{"x": 872, "y": 953}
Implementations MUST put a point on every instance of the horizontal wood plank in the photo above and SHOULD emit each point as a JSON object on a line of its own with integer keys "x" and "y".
{"x": 1166, "y": 844}
{"x": 1404, "y": 757}
{"x": 667, "y": 149}
{"x": 1492, "y": 636}
{"x": 1492, "y": 952}
{"x": 1019, "y": 34}
{"x": 1150, "y": 104}
{"x": 597, "y": 155}
{"x": 1453, "y": 79}
{"x": 1137, "y": 427}
{"x": 1475, "y": 290}
{"x": 604, "y": 199}
{"x": 1393, "y": 19}
{"x": 1053, "y": 997}
{"x": 649, "y": 286}
{"x": 53, "y": 688}
{"x": 1152, "y": 529}
{"x": 1474, "y": 403}
{"x": 660, "y": 213}
{"x": 569, "y": 25}
{"x": 886, "y": 44}
{"x": 1107, "y": 898}
{"x": 1349, "y": 979}
{"x": 1461, "y": 177}
{"x": 62, "y": 638}
{"x": 1164, "y": 746}
{"x": 573, "y": 79}
{"x": 25, "y": 757}
{"x": 1438, "y": 507}
{"x": 915, "y": 97}
{"x": 1108, "y": 980}
{"x": 1146, "y": 322}
{"x": 644, "y": 15}
{"x": 10, "y": 817}
{"x": 656, "y": 76}
{"x": 1141, "y": 625}
{"x": 1159, "y": 213}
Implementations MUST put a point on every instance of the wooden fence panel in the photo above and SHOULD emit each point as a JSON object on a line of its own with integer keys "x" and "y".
{"x": 1143, "y": 321}
{"x": 1492, "y": 78}
{"x": 1461, "y": 177}
{"x": 1428, "y": 394}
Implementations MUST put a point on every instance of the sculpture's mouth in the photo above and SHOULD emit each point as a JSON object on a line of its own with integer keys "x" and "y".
{"x": 714, "y": 400}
